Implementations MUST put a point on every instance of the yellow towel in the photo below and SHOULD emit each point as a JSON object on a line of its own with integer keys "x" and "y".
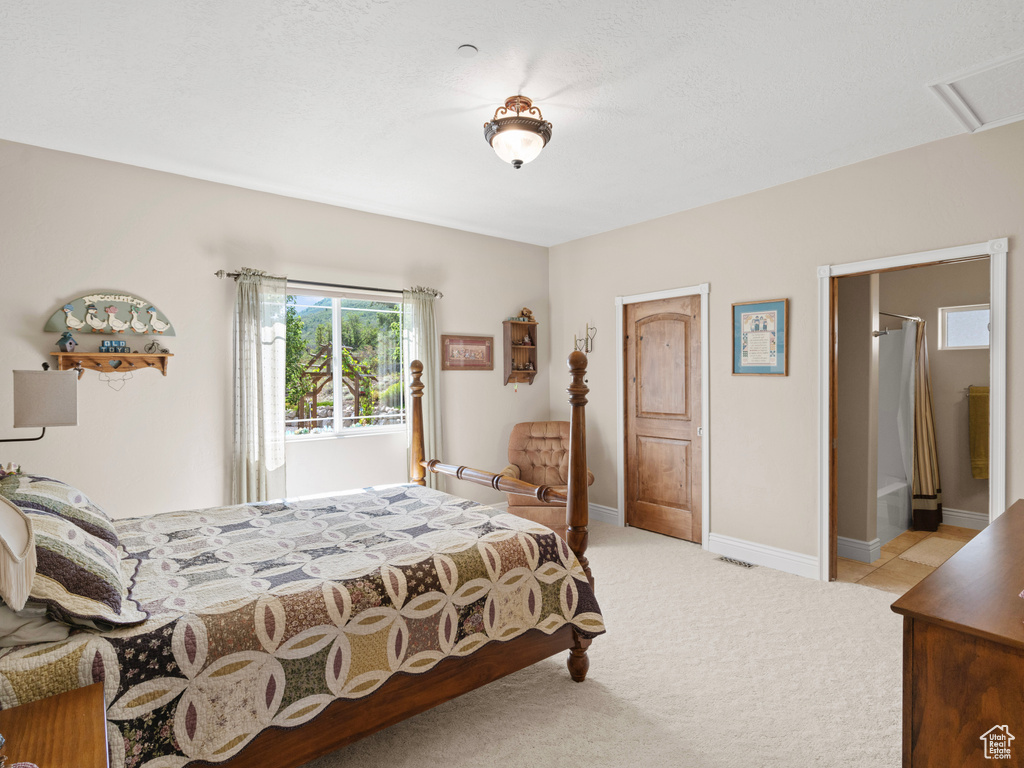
{"x": 977, "y": 423}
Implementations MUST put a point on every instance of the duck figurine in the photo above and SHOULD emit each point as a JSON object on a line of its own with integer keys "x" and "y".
{"x": 137, "y": 325}
{"x": 117, "y": 326}
{"x": 158, "y": 325}
{"x": 72, "y": 322}
{"x": 95, "y": 322}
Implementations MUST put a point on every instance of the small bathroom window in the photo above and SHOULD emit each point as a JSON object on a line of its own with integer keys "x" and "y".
{"x": 964, "y": 327}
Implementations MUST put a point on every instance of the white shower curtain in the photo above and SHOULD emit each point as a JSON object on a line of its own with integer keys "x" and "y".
{"x": 905, "y": 410}
{"x": 421, "y": 342}
{"x": 258, "y": 471}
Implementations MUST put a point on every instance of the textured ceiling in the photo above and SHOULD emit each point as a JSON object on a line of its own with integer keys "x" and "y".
{"x": 657, "y": 106}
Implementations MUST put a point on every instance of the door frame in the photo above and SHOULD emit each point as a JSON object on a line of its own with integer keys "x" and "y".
{"x": 703, "y": 290}
{"x": 996, "y": 251}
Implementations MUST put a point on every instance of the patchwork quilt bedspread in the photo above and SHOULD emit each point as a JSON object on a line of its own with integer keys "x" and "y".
{"x": 262, "y": 615}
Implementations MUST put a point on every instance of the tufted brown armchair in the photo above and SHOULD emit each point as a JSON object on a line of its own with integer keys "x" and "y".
{"x": 538, "y": 453}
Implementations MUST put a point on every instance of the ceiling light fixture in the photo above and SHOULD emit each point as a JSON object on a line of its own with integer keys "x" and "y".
{"x": 518, "y": 131}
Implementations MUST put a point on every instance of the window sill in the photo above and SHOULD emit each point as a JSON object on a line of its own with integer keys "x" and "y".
{"x": 347, "y": 433}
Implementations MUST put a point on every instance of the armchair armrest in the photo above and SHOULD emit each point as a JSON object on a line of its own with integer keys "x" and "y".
{"x": 512, "y": 471}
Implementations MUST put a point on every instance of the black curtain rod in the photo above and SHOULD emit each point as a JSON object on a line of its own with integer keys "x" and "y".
{"x": 351, "y": 287}
{"x": 234, "y": 276}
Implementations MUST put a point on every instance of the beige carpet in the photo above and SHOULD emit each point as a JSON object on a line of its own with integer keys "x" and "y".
{"x": 932, "y": 551}
{"x": 738, "y": 667}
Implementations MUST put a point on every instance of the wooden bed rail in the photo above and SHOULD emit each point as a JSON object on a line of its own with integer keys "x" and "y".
{"x": 575, "y": 495}
{"x": 549, "y": 494}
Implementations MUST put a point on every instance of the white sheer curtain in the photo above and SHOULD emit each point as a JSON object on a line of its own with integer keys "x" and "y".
{"x": 421, "y": 342}
{"x": 259, "y": 347}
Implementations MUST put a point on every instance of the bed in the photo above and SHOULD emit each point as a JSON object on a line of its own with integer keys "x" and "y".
{"x": 300, "y": 626}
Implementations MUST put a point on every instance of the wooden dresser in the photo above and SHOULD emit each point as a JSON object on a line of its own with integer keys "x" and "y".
{"x": 68, "y": 730}
{"x": 963, "y": 653}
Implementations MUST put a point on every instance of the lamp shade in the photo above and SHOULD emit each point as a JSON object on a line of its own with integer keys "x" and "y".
{"x": 45, "y": 399}
{"x": 517, "y": 144}
{"x": 518, "y": 131}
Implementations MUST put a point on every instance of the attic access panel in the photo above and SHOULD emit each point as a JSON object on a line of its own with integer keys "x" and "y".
{"x": 987, "y": 96}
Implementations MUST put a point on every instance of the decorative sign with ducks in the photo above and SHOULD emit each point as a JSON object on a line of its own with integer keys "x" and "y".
{"x": 110, "y": 312}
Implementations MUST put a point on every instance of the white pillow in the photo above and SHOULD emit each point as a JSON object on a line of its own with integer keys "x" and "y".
{"x": 17, "y": 555}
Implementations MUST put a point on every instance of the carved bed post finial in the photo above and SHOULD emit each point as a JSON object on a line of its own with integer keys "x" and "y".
{"x": 417, "y": 472}
{"x": 577, "y": 510}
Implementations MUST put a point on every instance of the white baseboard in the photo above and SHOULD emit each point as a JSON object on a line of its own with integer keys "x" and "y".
{"x": 862, "y": 551}
{"x": 598, "y": 512}
{"x": 762, "y": 554}
{"x": 964, "y": 519}
{"x": 603, "y": 514}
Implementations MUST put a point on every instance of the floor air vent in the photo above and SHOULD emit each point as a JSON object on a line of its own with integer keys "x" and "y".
{"x": 737, "y": 562}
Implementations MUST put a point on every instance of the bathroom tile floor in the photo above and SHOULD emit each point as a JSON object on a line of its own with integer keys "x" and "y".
{"x": 892, "y": 573}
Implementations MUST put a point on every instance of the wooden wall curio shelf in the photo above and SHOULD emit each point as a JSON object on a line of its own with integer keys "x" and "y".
{"x": 111, "y": 362}
{"x": 520, "y": 359}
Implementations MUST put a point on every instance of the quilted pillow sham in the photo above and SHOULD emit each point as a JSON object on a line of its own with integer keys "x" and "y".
{"x": 81, "y": 574}
{"x": 48, "y": 495}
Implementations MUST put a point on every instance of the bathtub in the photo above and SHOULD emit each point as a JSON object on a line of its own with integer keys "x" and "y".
{"x": 894, "y": 510}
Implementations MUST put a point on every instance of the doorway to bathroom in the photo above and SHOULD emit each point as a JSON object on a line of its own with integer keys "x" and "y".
{"x": 913, "y": 345}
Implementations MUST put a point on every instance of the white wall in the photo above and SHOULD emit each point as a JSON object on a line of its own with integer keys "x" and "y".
{"x": 857, "y": 450}
{"x": 70, "y": 224}
{"x": 766, "y": 245}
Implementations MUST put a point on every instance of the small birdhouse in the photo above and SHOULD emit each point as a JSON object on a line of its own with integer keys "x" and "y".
{"x": 67, "y": 342}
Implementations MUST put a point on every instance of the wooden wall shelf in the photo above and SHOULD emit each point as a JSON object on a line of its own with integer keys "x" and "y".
{"x": 101, "y": 361}
{"x": 518, "y": 354}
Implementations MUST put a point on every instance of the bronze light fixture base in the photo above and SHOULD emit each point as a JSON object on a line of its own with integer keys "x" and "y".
{"x": 517, "y": 114}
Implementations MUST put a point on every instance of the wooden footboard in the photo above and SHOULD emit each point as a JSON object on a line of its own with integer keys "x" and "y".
{"x": 576, "y": 495}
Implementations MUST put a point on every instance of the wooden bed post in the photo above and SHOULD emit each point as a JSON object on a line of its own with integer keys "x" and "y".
{"x": 577, "y": 509}
{"x": 417, "y": 472}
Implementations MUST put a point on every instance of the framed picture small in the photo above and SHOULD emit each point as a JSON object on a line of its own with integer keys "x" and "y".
{"x": 760, "y": 345}
{"x": 467, "y": 353}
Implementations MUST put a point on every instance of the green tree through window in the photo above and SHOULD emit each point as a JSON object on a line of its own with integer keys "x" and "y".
{"x": 331, "y": 387}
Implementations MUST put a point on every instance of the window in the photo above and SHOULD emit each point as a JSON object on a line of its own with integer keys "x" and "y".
{"x": 347, "y": 388}
{"x": 964, "y": 327}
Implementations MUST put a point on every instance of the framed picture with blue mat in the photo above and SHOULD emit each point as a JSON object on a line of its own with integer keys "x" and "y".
{"x": 759, "y": 338}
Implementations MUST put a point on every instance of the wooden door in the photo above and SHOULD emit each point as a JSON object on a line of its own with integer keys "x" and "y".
{"x": 663, "y": 416}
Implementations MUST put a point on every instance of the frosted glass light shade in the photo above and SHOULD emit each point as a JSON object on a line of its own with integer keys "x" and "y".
{"x": 516, "y": 144}
{"x": 45, "y": 399}
{"x": 518, "y": 131}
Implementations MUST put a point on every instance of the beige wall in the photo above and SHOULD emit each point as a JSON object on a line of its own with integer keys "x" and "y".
{"x": 766, "y": 245}
{"x": 921, "y": 292}
{"x": 70, "y": 224}
{"x": 857, "y": 452}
